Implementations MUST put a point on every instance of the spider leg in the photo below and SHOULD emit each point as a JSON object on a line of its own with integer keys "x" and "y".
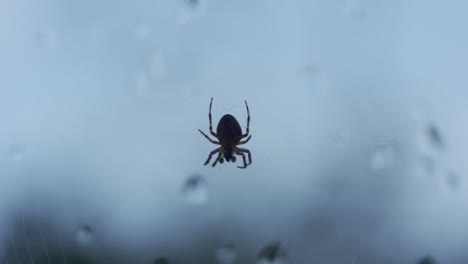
{"x": 212, "y": 141}
{"x": 243, "y": 158}
{"x": 242, "y": 150}
{"x": 211, "y": 154}
{"x": 248, "y": 121}
{"x": 217, "y": 159}
{"x": 209, "y": 117}
{"x": 245, "y": 141}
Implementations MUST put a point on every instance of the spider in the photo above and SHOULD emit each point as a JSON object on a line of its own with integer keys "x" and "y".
{"x": 229, "y": 135}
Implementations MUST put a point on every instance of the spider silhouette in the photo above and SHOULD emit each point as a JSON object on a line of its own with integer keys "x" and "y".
{"x": 229, "y": 135}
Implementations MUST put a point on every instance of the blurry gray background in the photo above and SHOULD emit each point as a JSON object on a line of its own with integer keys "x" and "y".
{"x": 358, "y": 131}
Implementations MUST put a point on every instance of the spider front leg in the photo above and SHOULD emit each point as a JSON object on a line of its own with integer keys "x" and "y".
{"x": 211, "y": 155}
{"x": 245, "y": 141}
{"x": 211, "y": 123}
{"x": 248, "y": 121}
{"x": 207, "y": 137}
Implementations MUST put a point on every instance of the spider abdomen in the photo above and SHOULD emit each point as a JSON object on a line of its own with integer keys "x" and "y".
{"x": 228, "y": 128}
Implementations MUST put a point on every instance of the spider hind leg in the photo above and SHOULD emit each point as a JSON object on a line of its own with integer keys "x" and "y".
{"x": 217, "y": 159}
{"x": 242, "y": 151}
{"x": 243, "y": 159}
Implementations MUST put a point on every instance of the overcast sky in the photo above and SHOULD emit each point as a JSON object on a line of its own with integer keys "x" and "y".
{"x": 358, "y": 127}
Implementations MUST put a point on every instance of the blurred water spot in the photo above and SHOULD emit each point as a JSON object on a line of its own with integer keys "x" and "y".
{"x": 193, "y": 3}
{"x": 341, "y": 138}
{"x": 195, "y": 190}
{"x": 46, "y": 37}
{"x": 421, "y": 111}
{"x": 161, "y": 260}
{"x": 190, "y": 11}
{"x": 384, "y": 156}
{"x": 191, "y": 90}
{"x": 16, "y": 153}
{"x": 430, "y": 138}
{"x": 315, "y": 80}
{"x": 157, "y": 65}
{"x": 226, "y": 254}
{"x": 84, "y": 235}
{"x": 434, "y": 137}
{"x": 142, "y": 31}
{"x": 427, "y": 260}
{"x": 273, "y": 253}
{"x": 425, "y": 166}
{"x": 452, "y": 180}
{"x": 354, "y": 9}
{"x": 141, "y": 86}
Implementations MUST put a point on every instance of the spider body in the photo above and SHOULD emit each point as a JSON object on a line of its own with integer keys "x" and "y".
{"x": 229, "y": 135}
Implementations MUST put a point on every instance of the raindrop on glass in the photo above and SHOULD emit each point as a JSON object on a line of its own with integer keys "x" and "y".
{"x": 384, "y": 156}
{"x": 16, "y": 153}
{"x": 141, "y": 86}
{"x": 193, "y": 3}
{"x": 434, "y": 137}
{"x": 191, "y": 10}
{"x": 161, "y": 260}
{"x": 341, "y": 138}
{"x": 425, "y": 166}
{"x": 84, "y": 235}
{"x": 452, "y": 180}
{"x": 427, "y": 260}
{"x": 421, "y": 112}
{"x": 226, "y": 254}
{"x": 315, "y": 80}
{"x": 430, "y": 138}
{"x": 157, "y": 65}
{"x": 195, "y": 190}
{"x": 273, "y": 253}
{"x": 142, "y": 32}
{"x": 191, "y": 90}
{"x": 46, "y": 38}
{"x": 354, "y": 9}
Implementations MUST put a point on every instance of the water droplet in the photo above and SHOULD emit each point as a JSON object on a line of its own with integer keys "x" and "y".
{"x": 384, "y": 156}
{"x": 84, "y": 235}
{"x": 195, "y": 190}
{"x": 191, "y": 90}
{"x": 421, "y": 112}
{"x": 141, "y": 86}
{"x": 452, "y": 180}
{"x": 157, "y": 65}
{"x": 273, "y": 253}
{"x": 16, "y": 153}
{"x": 226, "y": 254}
{"x": 191, "y": 10}
{"x": 427, "y": 260}
{"x": 315, "y": 80}
{"x": 142, "y": 32}
{"x": 193, "y": 3}
{"x": 354, "y": 9}
{"x": 341, "y": 137}
{"x": 435, "y": 137}
{"x": 161, "y": 260}
{"x": 46, "y": 38}
{"x": 430, "y": 139}
{"x": 425, "y": 166}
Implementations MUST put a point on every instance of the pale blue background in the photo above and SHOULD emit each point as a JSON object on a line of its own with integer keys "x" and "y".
{"x": 100, "y": 102}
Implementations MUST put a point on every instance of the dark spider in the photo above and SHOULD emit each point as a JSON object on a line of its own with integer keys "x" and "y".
{"x": 229, "y": 134}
